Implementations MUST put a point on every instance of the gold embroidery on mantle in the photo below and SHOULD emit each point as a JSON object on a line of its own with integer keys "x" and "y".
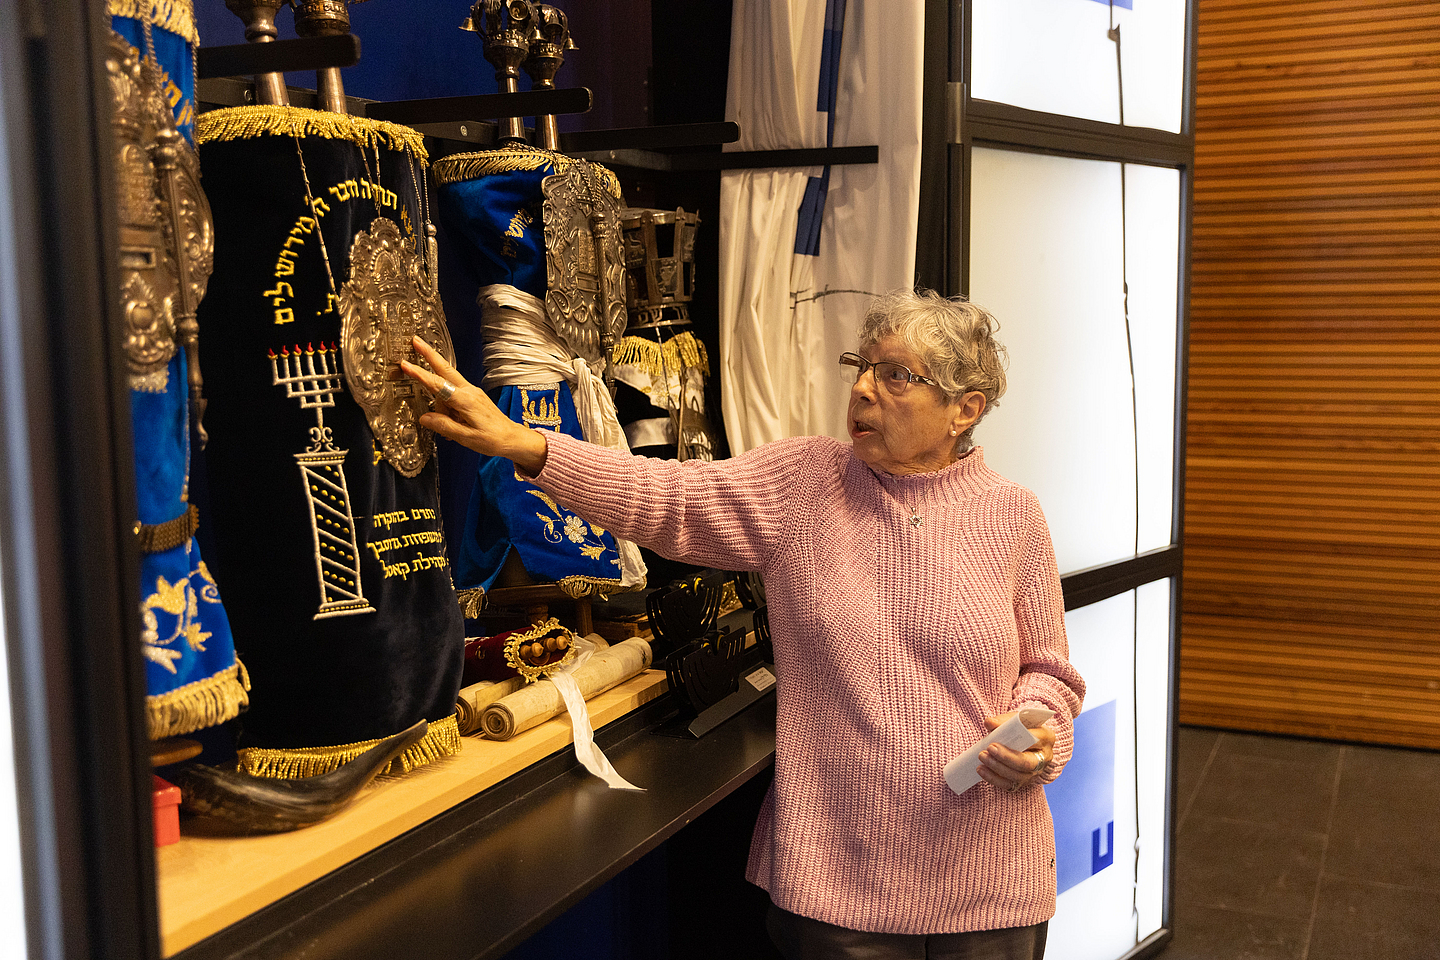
{"x": 311, "y": 376}
{"x": 541, "y": 412}
{"x": 472, "y": 599}
{"x": 567, "y": 526}
{"x": 180, "y": 600}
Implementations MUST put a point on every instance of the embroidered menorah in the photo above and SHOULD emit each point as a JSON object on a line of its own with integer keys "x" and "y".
{"x": 312, "y": 375}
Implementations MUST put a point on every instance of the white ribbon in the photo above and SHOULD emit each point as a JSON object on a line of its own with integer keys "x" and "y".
{"x": 522, "y": 349}
{"x": 591, "y": 757}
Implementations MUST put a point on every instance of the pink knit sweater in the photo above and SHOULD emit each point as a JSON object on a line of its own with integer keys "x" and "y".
{"x": 892, "y": 643}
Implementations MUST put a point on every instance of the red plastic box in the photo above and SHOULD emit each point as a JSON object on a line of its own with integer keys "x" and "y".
{"x": 167, "y": 812}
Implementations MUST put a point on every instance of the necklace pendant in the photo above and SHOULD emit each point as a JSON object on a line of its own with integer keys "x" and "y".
{"x": 916, "y": 520}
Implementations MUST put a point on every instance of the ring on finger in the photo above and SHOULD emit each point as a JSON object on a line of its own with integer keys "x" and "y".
{"x": 446, "y": 391}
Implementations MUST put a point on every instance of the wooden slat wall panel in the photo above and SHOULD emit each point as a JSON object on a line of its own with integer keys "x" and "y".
{"x": 1312, "y": 506}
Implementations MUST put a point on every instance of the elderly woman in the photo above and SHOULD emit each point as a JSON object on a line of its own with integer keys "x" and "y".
{"x": 914, "y": 605}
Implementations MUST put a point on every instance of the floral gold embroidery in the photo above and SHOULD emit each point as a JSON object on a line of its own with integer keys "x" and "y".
{"x": 179, "y": 600}
{"x": 567, "y": 526}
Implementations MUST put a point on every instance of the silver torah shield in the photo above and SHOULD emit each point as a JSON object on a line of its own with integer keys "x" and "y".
{"x": 388, "y": 300}
{"x": 584, "y": 262}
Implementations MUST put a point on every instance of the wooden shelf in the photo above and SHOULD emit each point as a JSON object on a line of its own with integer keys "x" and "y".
{"x": 207, "y": 882}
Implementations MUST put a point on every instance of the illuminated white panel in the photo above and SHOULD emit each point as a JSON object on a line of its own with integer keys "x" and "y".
{"x": 12, "y": 890}
{"x": 1152, "y": 220}
{"x": 1120, "y": 646}
{"x": 1055, "y": 56}
{"x": 1045, "y": 259}
{"x": 1152, "y": 673}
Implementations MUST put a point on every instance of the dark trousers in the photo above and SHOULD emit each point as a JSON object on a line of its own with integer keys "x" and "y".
{"x": 800, "y": 938}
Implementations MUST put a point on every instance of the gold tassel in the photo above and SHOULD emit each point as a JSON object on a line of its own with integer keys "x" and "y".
{"x": 460, "y": 167}
{"x": 441, "y": 740}
{"x": 244, "y": 123}
{"x": 177, "y": 16}
{"x": 472, "y": 601}
{"x": 661, "y": 359}
{"x": 198, "y": 705}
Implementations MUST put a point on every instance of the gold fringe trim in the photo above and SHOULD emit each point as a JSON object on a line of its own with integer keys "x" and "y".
{"x": 472, "y": 601}
{"x": 460, "y": 167}
{"x": 244, "y": 123}
{"x": 198, "y": 705}
{"x": 441, "y": 740}
{"x": 657, "y": 359}
{"x": 577, "y": 587}
{"x": 177, "y": 16}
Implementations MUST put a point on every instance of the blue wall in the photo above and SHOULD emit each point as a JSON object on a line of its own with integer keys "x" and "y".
{"x": 411, "y": 49}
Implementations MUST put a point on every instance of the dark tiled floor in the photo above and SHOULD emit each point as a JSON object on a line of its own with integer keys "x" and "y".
{"x": 1299, "y": 850}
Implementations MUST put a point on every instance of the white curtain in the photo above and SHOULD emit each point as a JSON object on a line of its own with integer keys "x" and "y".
{"x": 785, "y": 317}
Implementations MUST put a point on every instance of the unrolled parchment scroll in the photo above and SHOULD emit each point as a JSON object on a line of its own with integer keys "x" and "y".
{"x": 541, "y": 700}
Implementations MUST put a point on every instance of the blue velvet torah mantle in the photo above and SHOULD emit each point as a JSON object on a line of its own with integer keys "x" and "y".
{"x": 192, "y": 677}
{"x": 490, "y": 206}
{"x": 509, "y": 513}
{"x": 334, "y": 560}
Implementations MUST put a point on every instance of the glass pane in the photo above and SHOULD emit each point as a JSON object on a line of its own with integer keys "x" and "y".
{"x": 12, "y": 895}
{"x": 1045, "y": 257}
{"x": 1121, "y": 647}
{"x": 1152, "y": 255}
{"x": 1056, "y": 56}
{"x": 1152, "y": 687}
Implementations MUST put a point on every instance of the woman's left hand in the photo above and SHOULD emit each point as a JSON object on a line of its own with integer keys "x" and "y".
{"x": 1011, "y": 770}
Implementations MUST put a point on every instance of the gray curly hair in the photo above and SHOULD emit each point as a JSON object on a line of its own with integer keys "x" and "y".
{"x": 954, "y": 337}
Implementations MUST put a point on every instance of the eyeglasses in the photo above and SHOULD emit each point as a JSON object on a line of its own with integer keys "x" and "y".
{"x": 895, "y": 376}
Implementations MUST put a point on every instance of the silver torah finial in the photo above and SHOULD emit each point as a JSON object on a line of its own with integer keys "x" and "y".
{"x": 548, "y": 45}
{"x": 259, "y": 18}
{"x": 505, "y": 27}
{"x": 325, "y": 18}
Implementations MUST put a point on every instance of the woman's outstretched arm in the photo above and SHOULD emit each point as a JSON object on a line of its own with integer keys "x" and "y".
{"x": 731, "y": 514}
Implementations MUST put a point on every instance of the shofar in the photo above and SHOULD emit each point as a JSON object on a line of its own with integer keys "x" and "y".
{"x": 541, "y": 700}
{"x": 471, "y": 704}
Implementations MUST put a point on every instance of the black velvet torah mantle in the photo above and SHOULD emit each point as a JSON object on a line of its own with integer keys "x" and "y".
{"x": 303, "y": 494}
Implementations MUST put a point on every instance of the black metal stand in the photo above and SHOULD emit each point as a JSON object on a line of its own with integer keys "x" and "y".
{"x": 281, "y": 56}
{"x": 754, "y": 686}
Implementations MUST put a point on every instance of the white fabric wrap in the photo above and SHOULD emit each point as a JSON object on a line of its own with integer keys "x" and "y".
{"x": 522, "y": 349}
{"x": 591, "y": 757}
{"x": 785, "y": 318}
